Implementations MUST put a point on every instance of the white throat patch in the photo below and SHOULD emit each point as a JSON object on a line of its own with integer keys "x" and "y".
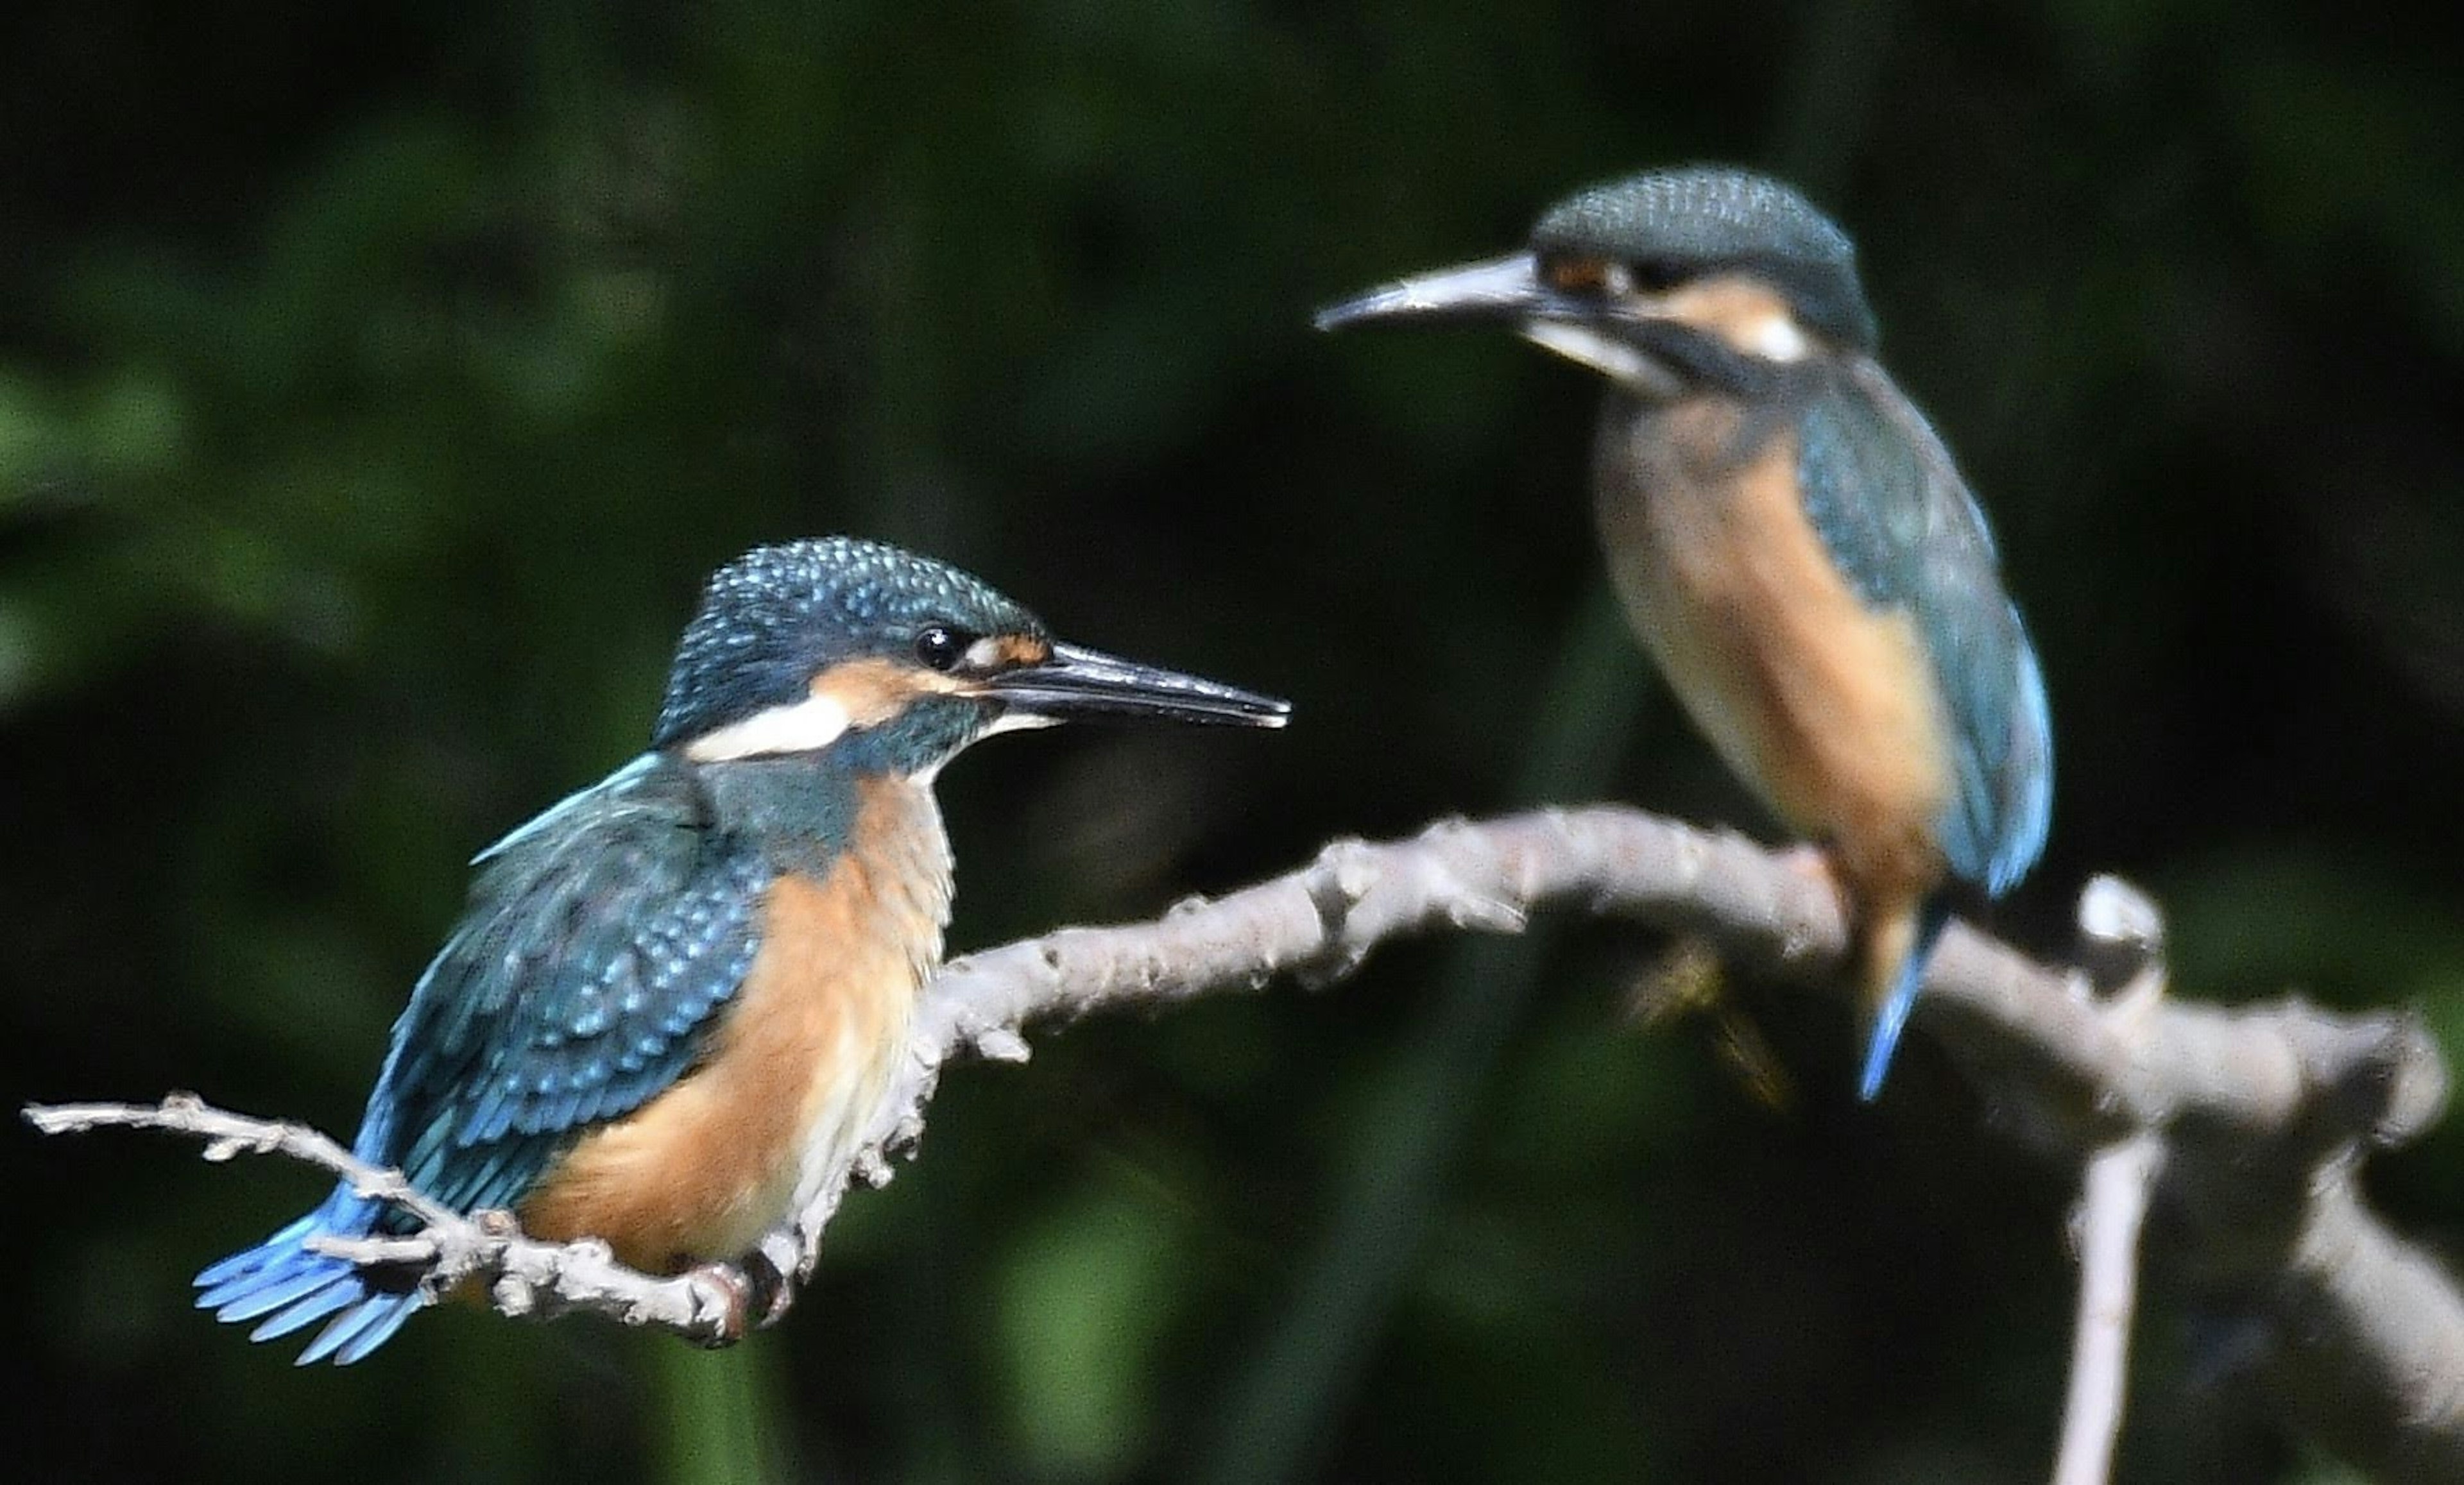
{"x": 1586, "y": 347}
{"x": 1607, "y": 355}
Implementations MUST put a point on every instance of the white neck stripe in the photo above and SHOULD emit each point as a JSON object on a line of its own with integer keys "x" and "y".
{"x": 1776, "y": 338}
{"x": 799, "y": 726}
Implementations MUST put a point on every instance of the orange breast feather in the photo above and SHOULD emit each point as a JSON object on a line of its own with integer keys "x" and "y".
{"x": 1827, "y": 709}
{"x": 704, "y": 1169}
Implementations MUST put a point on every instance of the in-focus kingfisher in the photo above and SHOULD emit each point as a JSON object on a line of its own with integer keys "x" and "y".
{"x": 1790, "y": 537}
{"x": 674, "y": 997}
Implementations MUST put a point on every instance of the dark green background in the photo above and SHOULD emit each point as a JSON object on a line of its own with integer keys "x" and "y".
{"x": 377, "y": 383}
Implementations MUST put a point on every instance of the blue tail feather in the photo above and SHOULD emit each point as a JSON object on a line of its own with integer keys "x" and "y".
{"x": 290, "y": 1286}
{"x": 328, "y": 1297}
{"x": 258, "y": 1293}
{"x": 361, "y": 1329}
{"x": 214, "y": 1276}
{"x": 1892, "y": 1018}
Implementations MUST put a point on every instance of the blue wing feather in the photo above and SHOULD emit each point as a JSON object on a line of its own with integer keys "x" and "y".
{"x": 600, "y": 939}
{"x": 1898, "y": 521}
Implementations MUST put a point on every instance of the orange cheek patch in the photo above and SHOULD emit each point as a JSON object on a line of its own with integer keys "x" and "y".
{"x": 872, "y": 691}
{"x": 1747, "y": 315}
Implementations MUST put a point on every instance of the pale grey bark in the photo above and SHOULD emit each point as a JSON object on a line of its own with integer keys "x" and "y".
{"x": 2262, "y": 1113}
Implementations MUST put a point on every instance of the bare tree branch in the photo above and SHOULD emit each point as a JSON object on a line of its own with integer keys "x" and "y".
{"x": 2121, "y": 1178}
{"x": 2122, "y": 939}
{"x": 2265, "y": 1110}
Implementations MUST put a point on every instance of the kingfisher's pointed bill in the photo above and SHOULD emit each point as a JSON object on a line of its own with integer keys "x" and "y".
{"x": 1509, "y": 287}
{"x": 1076, "y": 681}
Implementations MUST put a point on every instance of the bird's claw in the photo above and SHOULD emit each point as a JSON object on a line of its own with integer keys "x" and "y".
{"x": 769, "y": 1291}
{"x": 736, "y": 1291}
{"x": 757, "y": 1296}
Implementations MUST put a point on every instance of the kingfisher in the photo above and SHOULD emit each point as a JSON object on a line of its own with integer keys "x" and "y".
{"x": 676, "y": 997}
{"x": 1790, "y": 538}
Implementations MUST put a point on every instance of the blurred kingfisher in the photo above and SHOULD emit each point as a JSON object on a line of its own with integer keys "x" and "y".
{"x": 1790, "y": 537}
{"x": 676, "y": 997}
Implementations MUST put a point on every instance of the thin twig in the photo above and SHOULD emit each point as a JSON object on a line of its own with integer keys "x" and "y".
{"x": 227, "y": 1135}
{"x": 524, "y": 1276}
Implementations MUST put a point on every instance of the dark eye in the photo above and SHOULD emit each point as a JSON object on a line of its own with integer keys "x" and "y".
{"x": 940, "y": 647}
{"x": 1656, "y": 275}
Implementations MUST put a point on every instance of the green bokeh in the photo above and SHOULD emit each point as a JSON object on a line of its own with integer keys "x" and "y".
{"x": 378, "y": 382}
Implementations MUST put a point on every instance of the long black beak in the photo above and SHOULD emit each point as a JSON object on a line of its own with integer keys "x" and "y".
{"x": 1498, "y": 290}
{"x": 1083, "y": 683}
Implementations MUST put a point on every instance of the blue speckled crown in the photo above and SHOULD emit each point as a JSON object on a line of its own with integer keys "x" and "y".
{"x": 1710, "y": 216}
{"x": 772, "y": 619}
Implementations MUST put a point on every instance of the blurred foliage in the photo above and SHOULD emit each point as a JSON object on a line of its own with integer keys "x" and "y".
{"x": 376, "y": 383}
